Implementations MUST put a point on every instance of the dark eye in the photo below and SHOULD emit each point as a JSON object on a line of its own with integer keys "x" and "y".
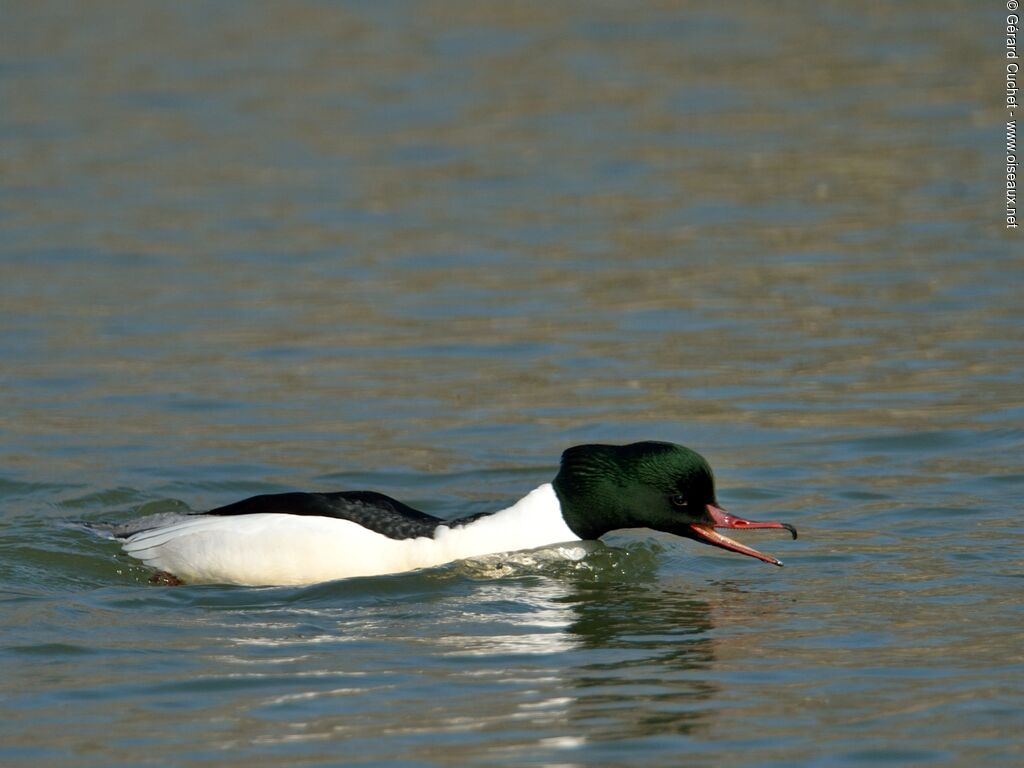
{"x": 679, "y": 500}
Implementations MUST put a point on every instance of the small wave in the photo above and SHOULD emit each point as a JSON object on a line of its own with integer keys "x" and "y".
{"x": 590, "y": 560}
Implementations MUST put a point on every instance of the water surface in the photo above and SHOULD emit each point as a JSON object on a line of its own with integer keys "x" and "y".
{"x": 422, "y": 249}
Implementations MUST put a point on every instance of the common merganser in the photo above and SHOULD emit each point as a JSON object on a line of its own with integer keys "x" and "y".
{"x": 306, "y": 538}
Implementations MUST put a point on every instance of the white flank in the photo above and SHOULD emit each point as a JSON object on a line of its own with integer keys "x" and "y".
{"x": 282, "y": 549}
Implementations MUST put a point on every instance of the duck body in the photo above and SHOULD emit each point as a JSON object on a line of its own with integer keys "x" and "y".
{"x": 313, "y": 538}
{"x": 305, "y": 538}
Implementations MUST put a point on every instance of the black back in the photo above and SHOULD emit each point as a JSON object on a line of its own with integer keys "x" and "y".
{"x": 374, "y": 511}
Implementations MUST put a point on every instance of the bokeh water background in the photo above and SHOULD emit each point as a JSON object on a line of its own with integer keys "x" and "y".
{"x": 423, "y": 248}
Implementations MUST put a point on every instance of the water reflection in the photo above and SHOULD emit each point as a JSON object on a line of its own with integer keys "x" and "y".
{"x": 573, "y": 658}
{"x": 647, "y": 650}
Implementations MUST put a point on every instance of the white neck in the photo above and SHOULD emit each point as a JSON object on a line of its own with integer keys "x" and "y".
{"x": 533, "y": 521}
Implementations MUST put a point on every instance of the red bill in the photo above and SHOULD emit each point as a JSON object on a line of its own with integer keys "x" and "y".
{"x": 707, "y": 534}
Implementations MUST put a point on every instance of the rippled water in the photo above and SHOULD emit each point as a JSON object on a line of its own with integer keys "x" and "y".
{"x": 423, "y": 249}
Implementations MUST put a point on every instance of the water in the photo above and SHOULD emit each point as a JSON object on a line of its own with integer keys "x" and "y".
{"x": 422, "y": 249}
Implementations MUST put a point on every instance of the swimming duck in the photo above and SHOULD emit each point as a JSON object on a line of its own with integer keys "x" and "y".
{"x": 305, "y": 538}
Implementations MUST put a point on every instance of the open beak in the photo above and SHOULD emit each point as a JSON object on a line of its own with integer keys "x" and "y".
{"x": 707, "y": 534}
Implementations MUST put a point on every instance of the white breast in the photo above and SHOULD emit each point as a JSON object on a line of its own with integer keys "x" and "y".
{"x": 281, "y": 549}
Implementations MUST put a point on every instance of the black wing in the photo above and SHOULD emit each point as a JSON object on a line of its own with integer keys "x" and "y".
{"x": 374, "y": 511}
